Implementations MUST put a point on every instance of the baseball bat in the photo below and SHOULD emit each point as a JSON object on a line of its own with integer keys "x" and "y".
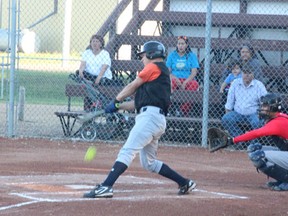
{"x": 88, "y": 116}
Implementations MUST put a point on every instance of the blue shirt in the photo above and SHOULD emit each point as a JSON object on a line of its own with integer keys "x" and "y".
{"x": 181, "y": 66}
{"x": 245, "y": 100}
{"x": 231, "y": 77}
{"x": 254, "y": 64}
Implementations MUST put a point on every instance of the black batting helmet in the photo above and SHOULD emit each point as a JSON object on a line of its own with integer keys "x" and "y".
{"x": 271, "y": 100}
{"x": 153, "y": 49}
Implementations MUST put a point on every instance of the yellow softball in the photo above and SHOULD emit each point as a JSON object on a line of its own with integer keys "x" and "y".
{"x": 90, "y": 153}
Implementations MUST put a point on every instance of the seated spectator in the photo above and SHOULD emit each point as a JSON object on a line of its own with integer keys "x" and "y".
{"x": 243, "y": 100}
{"x": 95, "y": 65}
{"x": 235, "y": 68}
{"x": 183, "y": 65}
{"x": 249, "y": 58}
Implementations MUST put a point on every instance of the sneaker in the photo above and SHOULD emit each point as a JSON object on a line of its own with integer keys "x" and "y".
{"x": 185, "y": 189}
{"x": 281, "y": 187}
{"x": 272, "y": 184}
{"x": 100, "y": 191}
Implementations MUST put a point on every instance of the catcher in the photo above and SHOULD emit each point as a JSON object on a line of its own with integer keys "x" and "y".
{"x": 272, "y": 161}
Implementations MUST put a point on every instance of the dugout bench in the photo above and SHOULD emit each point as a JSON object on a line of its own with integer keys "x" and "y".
{"x": 188, "y": 129}
{"x": 176, "y": 126}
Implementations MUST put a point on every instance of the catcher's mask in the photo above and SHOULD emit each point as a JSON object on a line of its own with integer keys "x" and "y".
{"x": 270, "y": 103}
{"x": 153, "y": 49}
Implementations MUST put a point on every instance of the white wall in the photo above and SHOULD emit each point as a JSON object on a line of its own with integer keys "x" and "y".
{"x": 148, "y": 28}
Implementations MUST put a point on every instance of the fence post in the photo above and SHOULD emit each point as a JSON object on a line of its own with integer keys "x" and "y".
{"x": 206, "y": 73}
{"x": 2, "y": 78}
{"x": 11, "y": 131}
{"x": 21, "y": 103}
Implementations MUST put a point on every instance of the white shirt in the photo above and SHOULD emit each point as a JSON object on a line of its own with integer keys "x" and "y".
{"x": 95, "y": 62}
{"x": 245, "y": 100}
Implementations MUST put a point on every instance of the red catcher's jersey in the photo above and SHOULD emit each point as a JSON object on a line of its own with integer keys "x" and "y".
{"x": 275, "y": 127}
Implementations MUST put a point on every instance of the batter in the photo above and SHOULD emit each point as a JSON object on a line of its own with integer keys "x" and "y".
{"x": 152, "y": 88}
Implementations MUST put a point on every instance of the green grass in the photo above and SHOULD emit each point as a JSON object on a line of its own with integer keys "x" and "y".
{"x": 42, "y": 87}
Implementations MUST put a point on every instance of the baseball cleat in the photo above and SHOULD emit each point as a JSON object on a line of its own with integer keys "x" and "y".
{"x": 185, "y": 189}
{"x": 281, "y": 187}
{"x": 100, "y": 191}
{"x": 272, "y": 184}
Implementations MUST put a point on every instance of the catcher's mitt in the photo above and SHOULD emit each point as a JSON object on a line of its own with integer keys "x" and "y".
{"x": 218, "y": 139}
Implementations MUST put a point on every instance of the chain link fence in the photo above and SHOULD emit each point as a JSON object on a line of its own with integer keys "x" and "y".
{"x": 52, "y": 35}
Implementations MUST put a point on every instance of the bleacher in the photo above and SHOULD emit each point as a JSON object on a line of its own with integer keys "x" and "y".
{"x": 222, "y": 47}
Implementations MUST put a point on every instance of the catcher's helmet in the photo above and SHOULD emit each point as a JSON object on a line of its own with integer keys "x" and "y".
{"x": 271, "y": 100}
{"x": 153, "y": 49}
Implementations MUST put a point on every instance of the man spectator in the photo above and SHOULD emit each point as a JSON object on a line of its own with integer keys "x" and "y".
{"x": 243, "y": 100}
{"x": 248, "y": 57}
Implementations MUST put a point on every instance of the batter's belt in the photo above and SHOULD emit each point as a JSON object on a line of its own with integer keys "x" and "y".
{"x": 152, "y": 109}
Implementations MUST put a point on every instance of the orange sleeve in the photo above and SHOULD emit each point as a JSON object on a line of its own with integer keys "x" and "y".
{"x": 150, "y": 72}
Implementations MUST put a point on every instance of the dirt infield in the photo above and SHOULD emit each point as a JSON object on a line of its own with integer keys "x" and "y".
{"x": 42, "y": 177}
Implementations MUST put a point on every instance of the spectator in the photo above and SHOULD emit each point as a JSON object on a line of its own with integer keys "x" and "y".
{"x": 235, "y": 68}
{"x": 96, "y": 62}
{"x": 95, "y": 65}
{"x": 242, "y": 103}
{"x": 249, "y": 58}
{"x": 183, "y": 65}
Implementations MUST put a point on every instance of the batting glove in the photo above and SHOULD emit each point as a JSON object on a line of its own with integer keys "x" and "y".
{"x": 112, "y": 107}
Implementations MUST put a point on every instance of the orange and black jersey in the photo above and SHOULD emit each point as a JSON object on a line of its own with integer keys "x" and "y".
{"x": 156, "y": 90}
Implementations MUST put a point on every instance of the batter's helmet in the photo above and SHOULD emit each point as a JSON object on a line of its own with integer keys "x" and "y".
{"x": 271, "y": 100}
{"x": 153, "y": 49}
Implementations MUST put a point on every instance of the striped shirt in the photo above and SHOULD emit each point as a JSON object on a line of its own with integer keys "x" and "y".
{"x": 245, "y": 100}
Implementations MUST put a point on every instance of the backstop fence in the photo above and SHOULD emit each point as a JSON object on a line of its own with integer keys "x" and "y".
{"x": 42, "y": 42}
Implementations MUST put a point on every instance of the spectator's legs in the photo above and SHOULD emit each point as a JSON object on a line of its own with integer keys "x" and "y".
{"x": 88, "y": 103}
{"x": 253, "y": 120}
{"x": 173, "y": 84}
{"x": 191, "y": 86}
{"x": 230, "y": 123}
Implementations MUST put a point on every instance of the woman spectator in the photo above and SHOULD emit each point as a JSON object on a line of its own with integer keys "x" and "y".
{"x": 183, "y": 65}
{"x": 95, "y": 66}
{"x": 96, "y": 62}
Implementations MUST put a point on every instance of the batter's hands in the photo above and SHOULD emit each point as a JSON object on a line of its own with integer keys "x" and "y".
{"x": 112, "y": 107}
